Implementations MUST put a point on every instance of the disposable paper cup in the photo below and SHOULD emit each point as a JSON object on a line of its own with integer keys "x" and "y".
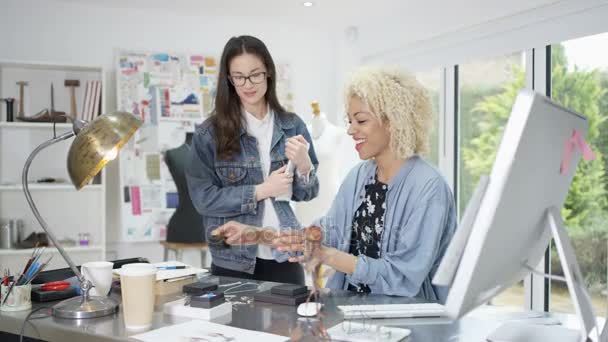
{"x": 137, "y": 285}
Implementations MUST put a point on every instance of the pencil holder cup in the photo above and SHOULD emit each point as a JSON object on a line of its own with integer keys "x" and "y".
{"x": 19, "y": 299}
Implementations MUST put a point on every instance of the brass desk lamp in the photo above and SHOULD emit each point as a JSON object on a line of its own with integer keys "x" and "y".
{"x": 96, "y": 143}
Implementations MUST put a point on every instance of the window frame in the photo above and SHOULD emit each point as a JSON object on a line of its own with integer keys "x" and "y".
{"x": 537, "y": 289}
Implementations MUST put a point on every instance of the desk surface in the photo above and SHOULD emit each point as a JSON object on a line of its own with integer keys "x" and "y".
{"x": 276, "y": 319}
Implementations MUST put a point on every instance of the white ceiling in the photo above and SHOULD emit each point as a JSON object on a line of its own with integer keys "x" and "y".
{"x": 429, "y": 16}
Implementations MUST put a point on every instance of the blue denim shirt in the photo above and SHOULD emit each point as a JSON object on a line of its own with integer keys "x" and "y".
{"x": 419, "y": 222}
{"x": 224, "y": 190}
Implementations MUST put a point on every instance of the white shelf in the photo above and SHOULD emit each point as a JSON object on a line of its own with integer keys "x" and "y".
{"x": 43, "y": 125}
{"x": 63, "y": 207}
{"x": 34, "y": 65}
{"x": 28, "y": 251}
{"x": 54, "y": 187}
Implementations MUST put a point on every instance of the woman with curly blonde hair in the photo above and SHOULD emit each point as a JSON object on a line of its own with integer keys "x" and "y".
{"x": 394, "y": 215}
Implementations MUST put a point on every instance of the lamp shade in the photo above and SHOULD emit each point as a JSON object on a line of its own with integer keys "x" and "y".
{"x": 97, "y": 143}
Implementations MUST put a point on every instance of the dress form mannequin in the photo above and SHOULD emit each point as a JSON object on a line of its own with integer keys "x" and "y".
{"x": 337, "y": 155}
{"x": 186, "y": 224}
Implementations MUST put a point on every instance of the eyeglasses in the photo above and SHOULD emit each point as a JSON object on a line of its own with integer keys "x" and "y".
{"x": 239, "y": 80}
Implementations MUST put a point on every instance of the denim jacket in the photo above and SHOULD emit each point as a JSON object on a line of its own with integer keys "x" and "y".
{"x": 224, "y": 190}
{"x": 419, "y": 222}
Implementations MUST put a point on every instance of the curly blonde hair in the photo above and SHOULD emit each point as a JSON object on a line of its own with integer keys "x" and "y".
{"x": 399, "y": 100}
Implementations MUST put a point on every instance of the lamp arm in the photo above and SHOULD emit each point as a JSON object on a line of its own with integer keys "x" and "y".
{"x": 77, "y": 124}
{"x": 30, "y": 201}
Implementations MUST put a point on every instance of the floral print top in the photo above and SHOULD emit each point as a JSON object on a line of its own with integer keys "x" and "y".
{"x": 368, "y": 224}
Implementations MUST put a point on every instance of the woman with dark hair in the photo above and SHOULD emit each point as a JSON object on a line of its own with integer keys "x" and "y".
{"x": 239, "y": 165}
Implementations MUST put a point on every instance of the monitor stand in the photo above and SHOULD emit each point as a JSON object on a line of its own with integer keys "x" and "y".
{"x": 520, "y": 331}
{"x": 604, "y": 336}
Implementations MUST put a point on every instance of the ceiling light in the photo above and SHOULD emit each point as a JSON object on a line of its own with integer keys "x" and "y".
{"x": 308, "y": 4}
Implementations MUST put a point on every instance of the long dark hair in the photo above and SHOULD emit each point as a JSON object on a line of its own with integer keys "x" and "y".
{"x": 226, "y": 116}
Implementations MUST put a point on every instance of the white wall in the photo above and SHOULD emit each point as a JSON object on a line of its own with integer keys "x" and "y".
{"x": 551, "y": 23}
{"x": 90, "y": 34}
{"x": 437, "y": 39}
{"x": 69, "y": 32}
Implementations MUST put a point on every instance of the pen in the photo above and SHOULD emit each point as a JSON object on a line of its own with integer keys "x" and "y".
{"x": 42, "y": 266}
{"x": 30, "y": 272}
{"x": 7, "y": 274}
{"x": 170, "y": 267}
{"x": 8, "y": 292}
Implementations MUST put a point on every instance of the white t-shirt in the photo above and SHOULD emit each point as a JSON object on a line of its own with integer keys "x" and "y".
{"x": 262, "y": 130}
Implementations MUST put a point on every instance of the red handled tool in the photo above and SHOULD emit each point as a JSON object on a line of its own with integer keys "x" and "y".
{"x": 55, "y": 286}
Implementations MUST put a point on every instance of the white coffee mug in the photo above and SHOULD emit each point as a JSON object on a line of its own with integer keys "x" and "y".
{"x": 100, "y": 274}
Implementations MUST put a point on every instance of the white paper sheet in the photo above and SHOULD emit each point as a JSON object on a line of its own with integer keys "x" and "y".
{"x": 152, "y": 197}
{"x": 170, "y": 274}
{"x": 173, "y": 274}
{"x": 206, "y": 331}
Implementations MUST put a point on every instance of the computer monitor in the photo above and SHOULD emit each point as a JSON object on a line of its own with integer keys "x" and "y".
{"x": 505, "y": 230}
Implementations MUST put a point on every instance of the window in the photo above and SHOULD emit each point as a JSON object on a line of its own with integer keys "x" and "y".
{"x": 487, "y": 91}
{"x": 579, "y": 81}
{"x": 431, "y": 80}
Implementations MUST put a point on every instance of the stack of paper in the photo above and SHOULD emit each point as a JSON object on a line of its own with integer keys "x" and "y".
{"x": 92, "y": 100}
{"x": 179, "y": 308}
{"x": 176, "y": 274}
